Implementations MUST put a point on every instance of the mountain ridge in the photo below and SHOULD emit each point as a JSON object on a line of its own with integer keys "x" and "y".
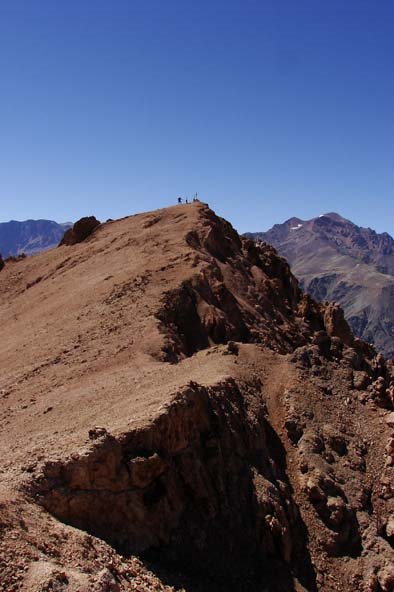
{"x": 176, "y": 414}
{"x": 30, "y": 236}
{"x": 335, "y": 259}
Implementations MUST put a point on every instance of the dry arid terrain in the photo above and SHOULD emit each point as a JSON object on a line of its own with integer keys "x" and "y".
{"x": 176, "y": 414}
{"x": 338, "y": 261}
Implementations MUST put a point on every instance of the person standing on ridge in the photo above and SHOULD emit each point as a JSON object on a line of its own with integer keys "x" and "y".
{"x": 179, "y": 200}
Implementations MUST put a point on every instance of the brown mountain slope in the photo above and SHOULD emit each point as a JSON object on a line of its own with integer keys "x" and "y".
{"x": 168, "y": 392}
{"x": 338, "y": 261}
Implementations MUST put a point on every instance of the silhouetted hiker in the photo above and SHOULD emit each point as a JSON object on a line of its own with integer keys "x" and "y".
{"x": 186, "y": 201}
{"x": 179, "y": 200}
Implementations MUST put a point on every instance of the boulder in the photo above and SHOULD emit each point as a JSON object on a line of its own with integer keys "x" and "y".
{"x": 337, "y": 510}
{"x": 336, "y": 324}
{"x": 80, "y": 231}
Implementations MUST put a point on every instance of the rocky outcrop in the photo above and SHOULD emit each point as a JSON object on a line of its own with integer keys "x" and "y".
{"x": 210, "y": 481}
{"x": 243, "y": 291}
{"x": 343, "y": 478}
{"x": 201, "y": 483}
{"x": 81, "y": 230}
{"x": 240, "y": 291}
{"x": 336, "y": 260}
{"x": 335, "y": 324}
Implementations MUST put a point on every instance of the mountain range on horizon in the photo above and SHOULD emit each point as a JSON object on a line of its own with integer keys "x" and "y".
{"x": 336, "y": 260}
{"x": 30, "y": 236}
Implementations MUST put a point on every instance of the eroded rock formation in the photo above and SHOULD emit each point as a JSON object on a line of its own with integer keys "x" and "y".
{"x": 189, "y": 405}
{"x": 203, "y": 483}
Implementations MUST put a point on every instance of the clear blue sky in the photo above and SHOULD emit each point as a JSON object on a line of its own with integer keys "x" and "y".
{"x": 268, "y": 109}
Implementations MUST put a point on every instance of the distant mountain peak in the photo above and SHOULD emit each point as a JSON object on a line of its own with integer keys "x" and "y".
{"x": 294, "y": 221}
{"x": 335, "y": 259}
{"x": 30, "y": 236}
{"x": 334, "y": 216}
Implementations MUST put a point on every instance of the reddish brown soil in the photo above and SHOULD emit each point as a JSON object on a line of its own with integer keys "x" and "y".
{"x": 168, "y": 392}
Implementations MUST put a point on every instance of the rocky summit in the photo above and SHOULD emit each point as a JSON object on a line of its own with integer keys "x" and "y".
{"x": 336, "y": 260}
{"x": 176, "y": 414}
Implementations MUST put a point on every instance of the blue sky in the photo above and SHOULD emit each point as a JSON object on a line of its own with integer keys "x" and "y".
{"x": 267, "y": 109}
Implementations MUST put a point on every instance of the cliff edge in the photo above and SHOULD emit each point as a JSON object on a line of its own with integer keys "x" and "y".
{"x": 177, "y": 414}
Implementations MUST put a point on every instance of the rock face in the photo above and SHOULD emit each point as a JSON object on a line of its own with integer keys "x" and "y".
{"x": 186, "y": 404}
{"x": 81, "y": 230}
{"x": 338, "y": 261}
{"x": 186, "y": 484}
{"x": 30, "y": 236}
